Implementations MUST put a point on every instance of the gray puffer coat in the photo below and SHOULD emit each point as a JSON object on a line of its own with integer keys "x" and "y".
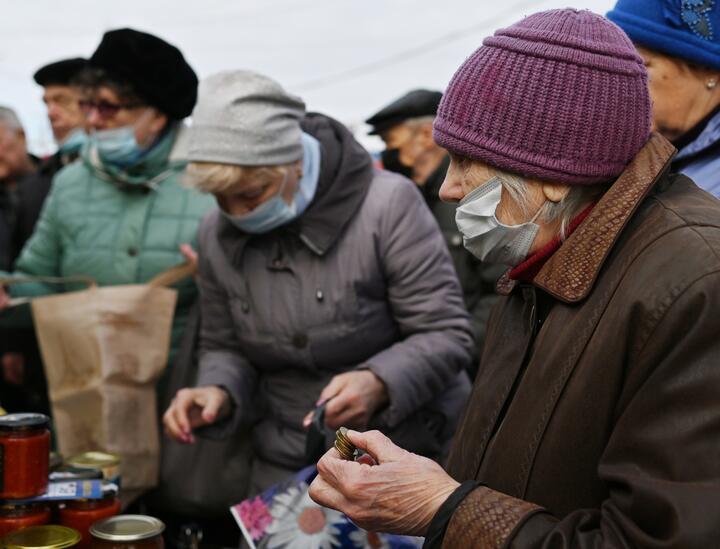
{"x": 363, "y": 280}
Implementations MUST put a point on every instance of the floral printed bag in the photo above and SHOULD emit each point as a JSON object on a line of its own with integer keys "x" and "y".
{"x": 284, "y": 517}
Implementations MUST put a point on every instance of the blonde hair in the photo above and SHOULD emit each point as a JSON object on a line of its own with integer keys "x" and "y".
{"x": 211, "y": 177}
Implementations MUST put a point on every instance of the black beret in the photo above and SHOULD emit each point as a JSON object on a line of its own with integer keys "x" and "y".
{"x": 60, "y": 73}
{"x": 156, "y": 70}
{"x": 413, "y": 104}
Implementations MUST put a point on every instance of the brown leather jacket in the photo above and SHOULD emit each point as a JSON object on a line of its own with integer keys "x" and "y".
{"x": 595, "y": 418}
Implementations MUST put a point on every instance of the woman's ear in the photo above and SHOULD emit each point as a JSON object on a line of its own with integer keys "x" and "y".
{"x": 159, "y": 122}
{"x": 555, "y": 192}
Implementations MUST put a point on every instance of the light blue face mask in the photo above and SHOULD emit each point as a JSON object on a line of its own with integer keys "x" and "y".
{"x": 267, "y": 216}
{"x": 75, "y": 141}
{"x": 276, "y": 212}
{"x": 118, "y": 146}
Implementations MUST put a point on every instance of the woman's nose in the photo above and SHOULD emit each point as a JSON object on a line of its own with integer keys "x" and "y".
{"x": 94, "y": 120}
{"x": 451, "y": 190}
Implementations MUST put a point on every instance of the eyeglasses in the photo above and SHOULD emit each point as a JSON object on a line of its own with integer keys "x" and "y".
{"x": 105, "y": 109}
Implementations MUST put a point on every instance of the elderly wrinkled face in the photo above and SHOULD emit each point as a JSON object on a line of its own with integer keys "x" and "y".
{"x": 63, "y": 108}
{"x": 261, "y": 186}
{"x": 682, "y": 93}
{"x": 13, "y": 152}
{"x": 104, "y": 110}
{"x": 464, "y": 176}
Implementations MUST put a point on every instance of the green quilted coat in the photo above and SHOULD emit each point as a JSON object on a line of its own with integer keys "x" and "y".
{"x": 115, "y": 226}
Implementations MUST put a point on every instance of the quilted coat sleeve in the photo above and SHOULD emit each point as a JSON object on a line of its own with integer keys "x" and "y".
{"x": 661, "y": 462}
{"x": 427, "y": 305}
{"x": 220, "y": 360}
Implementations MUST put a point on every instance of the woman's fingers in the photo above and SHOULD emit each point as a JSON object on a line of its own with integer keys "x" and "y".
{"x": 214, "y": 401}
{"x": 189, "y": 253}
{"x": 184, "y": 400}
{"x": 380, "y": 447}
{"x": 172, "y": 428}
{"x": 322, "y": 493}
{"x": 338, "y": 411}
{"x": 331, "y": 390}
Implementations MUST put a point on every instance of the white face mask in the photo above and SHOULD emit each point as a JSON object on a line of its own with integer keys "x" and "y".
{"x": 484, "y": 236}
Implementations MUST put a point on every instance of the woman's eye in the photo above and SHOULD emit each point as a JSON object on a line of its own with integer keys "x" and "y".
{"x": 252, "y": 194}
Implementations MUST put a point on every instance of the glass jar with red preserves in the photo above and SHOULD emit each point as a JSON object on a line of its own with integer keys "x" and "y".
{"x": 24, "y": 455}
{"x": 14, "y": 517}
{"x": 128, "y": 532}
{"x": 83, "y": 513}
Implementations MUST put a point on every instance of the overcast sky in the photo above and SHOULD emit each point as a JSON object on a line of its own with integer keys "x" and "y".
{"x": 346, "y": 58}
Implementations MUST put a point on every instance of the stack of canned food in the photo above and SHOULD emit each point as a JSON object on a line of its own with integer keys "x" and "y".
{"x": 45, "y": 506}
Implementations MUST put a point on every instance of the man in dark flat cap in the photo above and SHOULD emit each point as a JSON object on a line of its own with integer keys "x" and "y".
{"x": 406, "y": 127}
{"x": 62, "y": 100}
{"x": 23, "y": 386}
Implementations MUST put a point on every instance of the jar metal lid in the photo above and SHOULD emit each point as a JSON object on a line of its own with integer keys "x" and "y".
{"x": 23, "y": 422}
{"x": 94, "y": 460}
{"x": 127, "y": 528}
{"x": 42, "y": 537}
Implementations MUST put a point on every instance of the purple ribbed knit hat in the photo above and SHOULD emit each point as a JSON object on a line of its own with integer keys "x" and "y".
{"x": 560, "y": 96}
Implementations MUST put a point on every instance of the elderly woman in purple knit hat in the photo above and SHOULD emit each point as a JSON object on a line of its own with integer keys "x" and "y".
{"x": 595, "y": 418}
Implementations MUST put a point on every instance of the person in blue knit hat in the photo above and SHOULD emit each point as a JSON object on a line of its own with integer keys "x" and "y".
{"x": 680, "y": 42}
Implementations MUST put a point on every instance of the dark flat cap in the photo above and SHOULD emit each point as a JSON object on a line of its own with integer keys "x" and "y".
{"x": 60, "y": 73}
{"x": 411, "y": 105}
{"x": 156, "y": 70}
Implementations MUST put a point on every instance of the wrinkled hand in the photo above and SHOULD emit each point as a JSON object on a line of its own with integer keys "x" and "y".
{"x": 13, "y": 368}
{"x": 399, "y": 495}
{"x": 193, "y": 408}
{"x": 352, "y": 398}
{"x": 4, "y": 299}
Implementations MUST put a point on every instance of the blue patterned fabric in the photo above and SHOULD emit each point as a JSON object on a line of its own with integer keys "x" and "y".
{"x": 700, "y": 159}
{"x": 284, "y": 517}
{"x": 688, "y": 29}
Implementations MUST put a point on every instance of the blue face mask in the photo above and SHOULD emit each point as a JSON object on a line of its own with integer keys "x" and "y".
{"x": 276, "y": 212}
{"x": 73, "y": 142}
{"x": 117, "y": 146}
{"x": 267, "y": 216}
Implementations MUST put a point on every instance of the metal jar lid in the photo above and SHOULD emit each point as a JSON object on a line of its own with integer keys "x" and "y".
{"x": 42, "y": 537}
{"x": 23, "y": 422}
{"x": 94, "y": 460}
{"x": 127, "y": 528}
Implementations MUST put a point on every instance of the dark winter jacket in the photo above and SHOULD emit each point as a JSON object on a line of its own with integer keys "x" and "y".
{"x": 595, "y": 418}
{"x": 362, "y": 280}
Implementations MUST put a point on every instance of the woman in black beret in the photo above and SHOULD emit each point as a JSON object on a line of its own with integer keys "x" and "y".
{"x": 121, "y": 214}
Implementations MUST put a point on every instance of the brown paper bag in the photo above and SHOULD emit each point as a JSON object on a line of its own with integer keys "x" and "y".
{"x": 103, "y": 349}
